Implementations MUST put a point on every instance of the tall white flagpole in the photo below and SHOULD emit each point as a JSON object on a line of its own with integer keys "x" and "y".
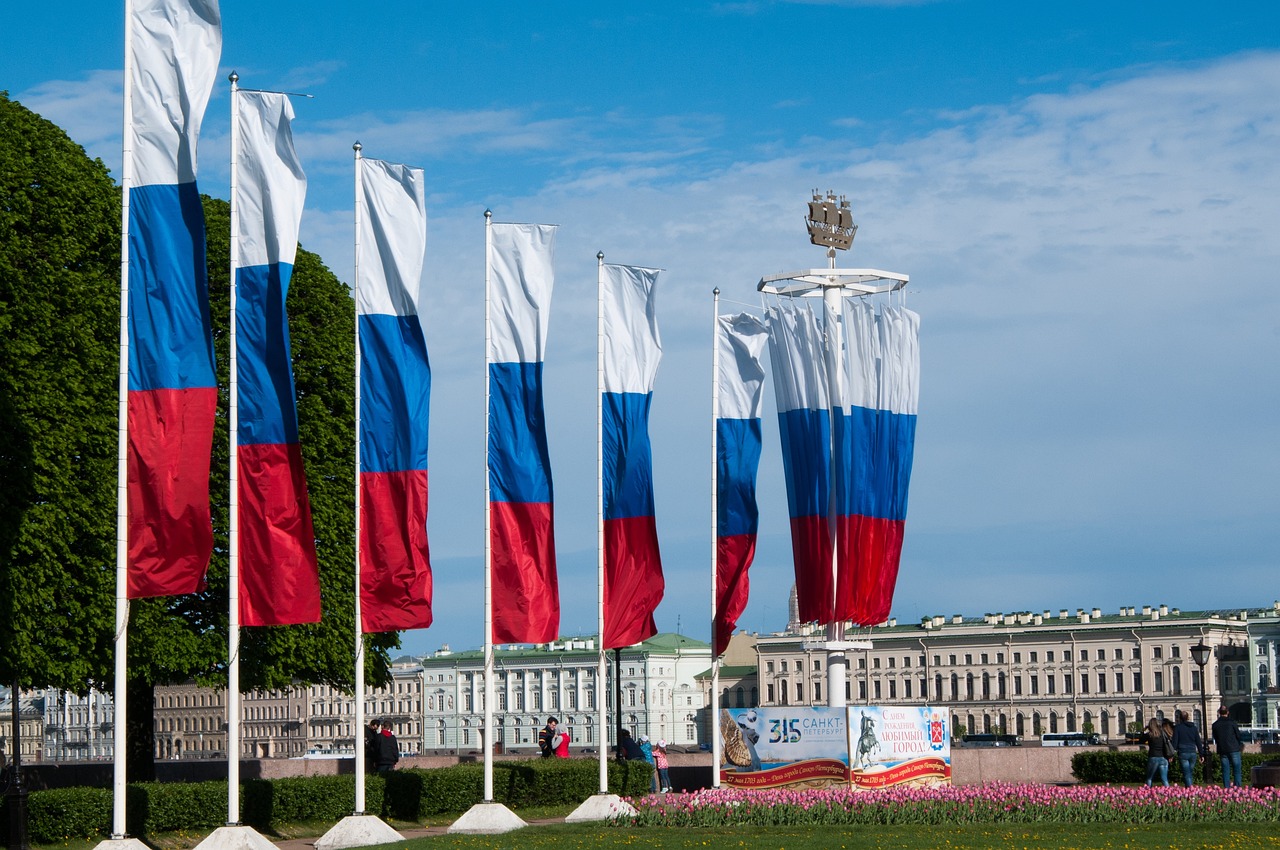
{"x": 358, "y": 738}
{"x": 488, "y": 520}
{"x": 714, "y": 725}
{"x": 119, "y": 779}
{"x": 602, "y": 668}
{"x": 233, "y": 519}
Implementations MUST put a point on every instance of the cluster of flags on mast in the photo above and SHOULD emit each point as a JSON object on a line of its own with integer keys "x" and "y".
{"x": 847, "y": 402}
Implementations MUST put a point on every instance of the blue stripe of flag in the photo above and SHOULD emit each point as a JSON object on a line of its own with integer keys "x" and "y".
{"x": 267, "y": 413}
{"x": 628, "y": 463}
{"x": 170, "y": 336}
{"x": 395, "y": 391}
{"x": 519, "y": 463}
{"x": 876, "y": 448}
{"x": 806, "y": 454}
{"x": 738, "y": 458}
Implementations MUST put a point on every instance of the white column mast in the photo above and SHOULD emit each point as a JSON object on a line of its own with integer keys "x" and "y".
{"x": 602, "y": 665}
{"x": 488, "y": 528}
{"x": 358, "y": 743}
{"x": 233, "y": 514}
{"x": 119, "y": 779}
{"x": 714, "y": 724}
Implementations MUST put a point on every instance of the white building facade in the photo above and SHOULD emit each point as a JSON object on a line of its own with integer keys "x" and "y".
{"x": 659, "y": 695}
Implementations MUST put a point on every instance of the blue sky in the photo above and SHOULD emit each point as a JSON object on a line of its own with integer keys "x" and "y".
{"x": 1085, "y": 195}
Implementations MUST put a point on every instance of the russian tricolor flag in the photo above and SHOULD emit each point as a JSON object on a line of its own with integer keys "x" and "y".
{"x": 525, "y": 592}
{"x": 740, "y": 341}
{"x": 629, "y": 355}
{"x": 393, "y": 401}
{"x": 800, "y": 386}
{"x": 174, "y": 47}
{"x": 279, "y": 576}
{"x": 875, "y": 429}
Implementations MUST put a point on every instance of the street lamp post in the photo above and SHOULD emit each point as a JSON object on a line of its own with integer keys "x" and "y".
{"x": 1200, "y": 654}
{"x": 831, "y": 226}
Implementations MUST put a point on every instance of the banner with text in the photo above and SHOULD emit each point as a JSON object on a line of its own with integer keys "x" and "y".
{"x": 863, "y": 746}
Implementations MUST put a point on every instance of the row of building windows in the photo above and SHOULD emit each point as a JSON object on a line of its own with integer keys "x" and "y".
{"x": 1033, "y": 657}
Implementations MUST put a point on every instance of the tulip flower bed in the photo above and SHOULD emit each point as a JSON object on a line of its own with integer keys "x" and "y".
{"x": 994, "y": 803}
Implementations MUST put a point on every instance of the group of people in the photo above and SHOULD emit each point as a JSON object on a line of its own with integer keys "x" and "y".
{"x": 381, "y": 748}
{"x": 1181, "y": 740}
{"x": 553, "y": 741}
{"x": 629, "y": 749}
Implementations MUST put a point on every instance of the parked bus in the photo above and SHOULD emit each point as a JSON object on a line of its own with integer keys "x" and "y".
{"x": 1259, "y": 735}
{"x": 1070, "y": 739}
{"x": 988, "y": 740}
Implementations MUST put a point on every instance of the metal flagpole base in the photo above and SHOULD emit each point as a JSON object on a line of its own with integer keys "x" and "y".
{"x": 487, "y": 819}
{"x": 121, "y": 844}
{"x": 235, "y": 838}
{"x": 601, "y": 807}
{"x": 357, "y": 831}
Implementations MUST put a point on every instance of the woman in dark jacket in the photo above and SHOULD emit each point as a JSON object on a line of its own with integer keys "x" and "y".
{"x": 1159, "y": 751}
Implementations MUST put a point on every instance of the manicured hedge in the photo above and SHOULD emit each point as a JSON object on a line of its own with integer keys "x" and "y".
{"x": 1118, "y": 766}
{"x": 59, "y": 814}
{"x": 271, "y": 803}
{"x": 414, "y": 794}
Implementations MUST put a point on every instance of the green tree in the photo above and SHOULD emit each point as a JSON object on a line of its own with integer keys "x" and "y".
{"x": 59, "y": 346}
{"x": 59, "y": 343}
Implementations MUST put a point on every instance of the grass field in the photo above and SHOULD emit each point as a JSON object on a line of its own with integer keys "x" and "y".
{"x": 971, "y": 837}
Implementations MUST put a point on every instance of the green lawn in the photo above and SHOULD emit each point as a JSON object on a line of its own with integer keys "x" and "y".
{"x": 1179, "y": 837}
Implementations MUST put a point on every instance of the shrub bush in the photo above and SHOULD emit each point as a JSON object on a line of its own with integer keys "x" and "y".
{"x": 270, "y": 803}
{"x": 1116, "y": 766}
{"x": 414, "y": 793}
{"x": 59, "y": 814}
{"x": 154, "y": 807}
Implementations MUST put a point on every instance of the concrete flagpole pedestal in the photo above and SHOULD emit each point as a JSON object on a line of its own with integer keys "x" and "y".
{"x": 358, "y": 831}
{"x": 235, "y": 838}
{"x": 121, "y": 844}
{"x": 599, "y": 807}
{"x": 487, "y": 819}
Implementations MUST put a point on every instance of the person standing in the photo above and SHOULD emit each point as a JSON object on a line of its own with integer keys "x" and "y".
{"x": 646, "y": 749}
{"x": 1226, "y": 737}
{"x": 388, "y": 750}
{"x": 546, "y": 738}
{"x": 560, "y": 743}
{"x": 371, "y": 746}
{"x": 628, "y": 749}
{"x": 1186, "y": 741}
{"x": 660, "y": 761}
{"x": 1159, "y": 750}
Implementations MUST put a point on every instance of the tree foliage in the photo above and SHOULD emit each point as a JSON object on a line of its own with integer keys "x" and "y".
{"x": 59, "y": 368}
{"x": 59, "y": 346}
